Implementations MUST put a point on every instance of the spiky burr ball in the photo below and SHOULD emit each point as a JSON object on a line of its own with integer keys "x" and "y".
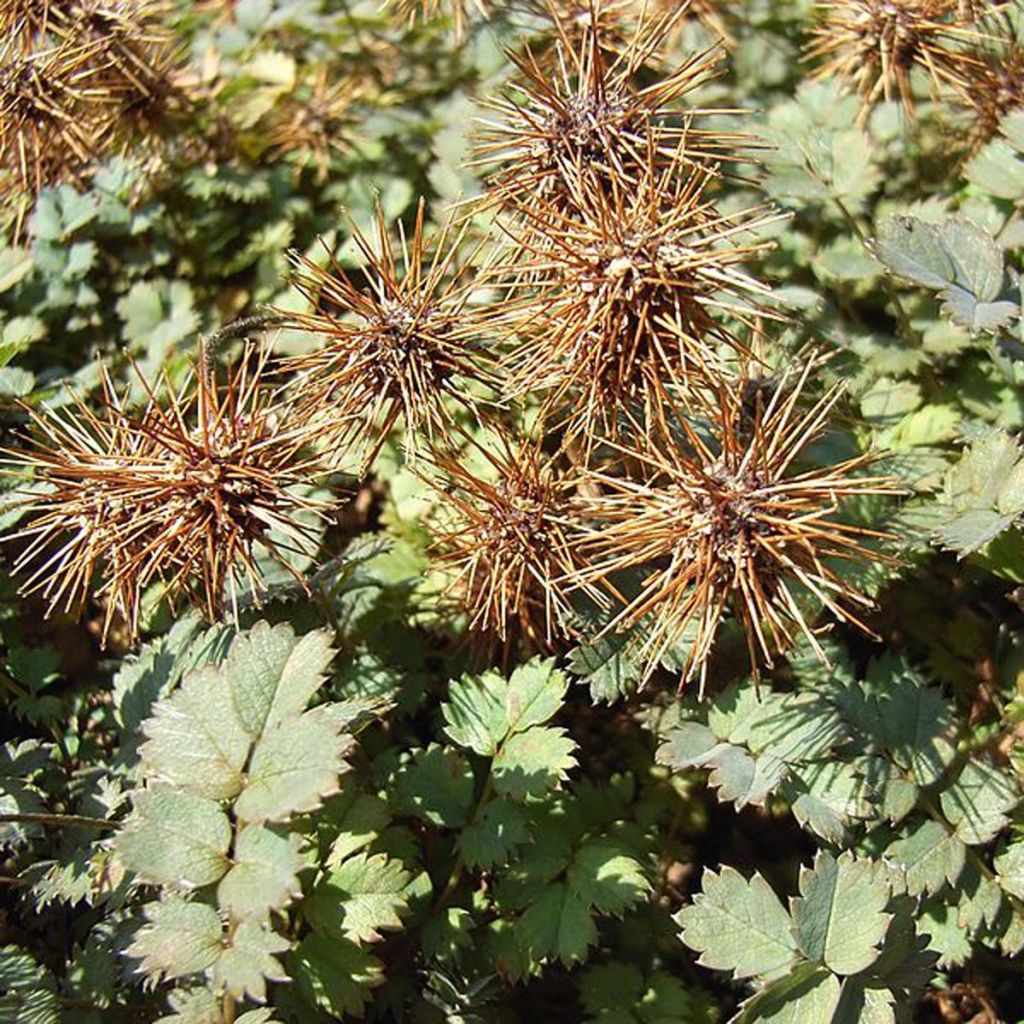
{"x": 626, "y": 298}
{"x": 729, "y": 522}
{"x": 401, "y": 341}
{"x": 53, "y": 115}
{"x": 579, "y": 117}
{"x": 186, "y": 494}
{"x": 875, "y": 45}
{"x": 995, "y": 88}
{"x": 504, "y": 540}
{"x": 313, "y": 123}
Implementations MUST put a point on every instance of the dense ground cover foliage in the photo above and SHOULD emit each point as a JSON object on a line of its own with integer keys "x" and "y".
{"x": 511, "y": 510}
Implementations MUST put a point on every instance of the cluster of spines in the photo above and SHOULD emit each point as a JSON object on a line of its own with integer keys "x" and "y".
{"x": 625, "y": 320}
{"x": 968, "y": 50}
{"x": 79, "y": 79}
{"x": 185, "y": 495}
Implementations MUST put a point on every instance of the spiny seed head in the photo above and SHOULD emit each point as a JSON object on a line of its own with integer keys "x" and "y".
{"x": 874, "y": 45}
{"x": 994, "y": 88}
{"x": 460, "y": 10}
{"x": 504, "y": 537}
{"x": 581, "y": 117}
{"x": 52, "y": 115}
{"x": 309, "y": 126}
{"x": 732, "y": 524}
{"x": 625, "y": 297}
{"x": 398, "y": 343}
{"x": 184, "y": 493}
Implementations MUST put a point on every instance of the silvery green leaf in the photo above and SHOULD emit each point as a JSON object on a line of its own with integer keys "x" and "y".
{"x": 293, "y": 767}
{"x": 839, "y": 919}
{"x": 808, "y": 993}
{"x": 180, "y": 937}
{"x": 273, "y": 675}
{"x": 979, "y": 801}
{"x": 194, "y": 739}
{"x": 930, "y": 858}
{"x": 263, "y": 875}
{"x": 175, "y": 839}
{"x": 249, "y": 960}
{"x": 738, "y": 925}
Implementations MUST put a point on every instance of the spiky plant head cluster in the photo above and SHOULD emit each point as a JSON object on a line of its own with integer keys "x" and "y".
{"x": 729, "y": 522}
{"x": 314, "y": 122}
{"x": 994, "y": 88}
{"x": 876, "y": 45}
{"x": 78, "y": 78}
{"x": 578, "y": 115}
{"x": 51, "y": 111}
{"x": 626, "y": 296}
{"x": 460, "y": 11}
{"x": 401, "y": 341}
{"x": 505, "y": 540}
{"x": 186, "y": 493}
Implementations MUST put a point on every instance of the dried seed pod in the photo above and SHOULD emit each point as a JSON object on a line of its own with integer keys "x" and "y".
{"x": 461, "y": 11}
{"x": 184, "y": 494}
{"x": 874, "y": 45}
{"x": 400, "y": 338}
{"x": 624, "y": 295}
{"x": 581, "y": 117}
{"x": 730, "y": 523}
{"x": 505, "y": 538}
{"x": 51, "y": 114}
{"x": 994, "y": 88}
{"x": 312, "y": 124}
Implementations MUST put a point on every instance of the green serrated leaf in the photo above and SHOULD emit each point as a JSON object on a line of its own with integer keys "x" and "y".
{"x": 359, "y": 898}
{"x": 475, "y": 714}
{"x": 558, "y": 926}
{"x": 533, "y": 762}
{"x": 437, "y": 786}
{"x": 175, "y": 838}
{"x": 263, "y": 875}
{"x": 493, "y": 838}
{"x": 606, "y": 877}
{"x": 27, "y": 992}
{"x": 839, "y": 919}
{"x": 738, "y": 925}
{"x": 355, "y": 819}
{"x": 535, "y": 692}
{"x": 179, "y": 938}
{"x": 334, "y": 975}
